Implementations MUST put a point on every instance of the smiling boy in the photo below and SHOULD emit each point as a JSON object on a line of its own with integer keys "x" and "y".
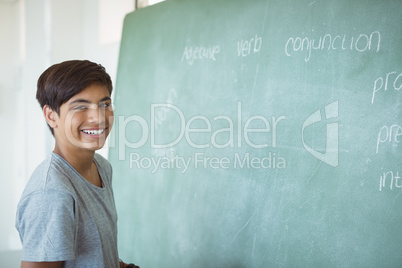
{"x": 67, "y": 216}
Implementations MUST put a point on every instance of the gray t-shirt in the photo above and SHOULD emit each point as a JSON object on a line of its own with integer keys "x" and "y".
{"x": 63, "y": 217}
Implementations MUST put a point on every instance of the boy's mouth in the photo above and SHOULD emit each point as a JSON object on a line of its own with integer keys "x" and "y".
{"x": 93, "y": 132}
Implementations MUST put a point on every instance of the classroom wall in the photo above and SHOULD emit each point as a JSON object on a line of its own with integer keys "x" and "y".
{"x": 8, "y": 70}
{"x": 35, "y": 34}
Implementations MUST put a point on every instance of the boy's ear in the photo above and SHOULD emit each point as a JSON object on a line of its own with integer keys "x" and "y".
{"x": 50, "y": 116}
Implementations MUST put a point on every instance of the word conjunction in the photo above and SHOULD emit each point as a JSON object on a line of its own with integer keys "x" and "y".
{"x": 305, "y": 45}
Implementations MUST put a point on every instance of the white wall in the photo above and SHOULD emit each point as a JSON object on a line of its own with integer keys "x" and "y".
{"x": 8, "y": 93}
{"x": 33, "y": 35}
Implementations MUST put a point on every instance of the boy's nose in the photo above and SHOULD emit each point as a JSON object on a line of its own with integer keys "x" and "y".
{"x": 96, "y": 115}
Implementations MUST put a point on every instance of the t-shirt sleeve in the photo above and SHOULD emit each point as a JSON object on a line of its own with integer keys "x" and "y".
{"x": 45, "y": 221}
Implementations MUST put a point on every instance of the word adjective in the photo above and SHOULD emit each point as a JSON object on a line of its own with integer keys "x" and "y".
{"x": 397, "y": 85}
{"x": 244, "y": 46}
{"x": 200, "y": 160}
{"x": 393, "y": 179}
{"x": 234, "y": 131}
{"x": 361, "y": 43}
{"x": 191, "y": 54}
{"x": 389, "y": 134}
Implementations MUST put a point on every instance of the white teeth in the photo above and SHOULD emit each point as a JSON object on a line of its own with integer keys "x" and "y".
{"x": 94, "y": 132}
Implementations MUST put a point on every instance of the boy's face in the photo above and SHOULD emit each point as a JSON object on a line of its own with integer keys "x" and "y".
{"x": 85, "y": 120}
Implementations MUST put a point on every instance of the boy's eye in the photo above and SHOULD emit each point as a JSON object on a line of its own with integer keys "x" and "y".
{"x": 104, "y": 105}
{"x": 80, "y": 108}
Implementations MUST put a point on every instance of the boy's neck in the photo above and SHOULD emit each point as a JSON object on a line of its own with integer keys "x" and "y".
{"x": 80, "y": 159}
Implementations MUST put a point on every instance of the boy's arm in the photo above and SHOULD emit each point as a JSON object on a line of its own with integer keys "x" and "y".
{"x": 41, "y": 264}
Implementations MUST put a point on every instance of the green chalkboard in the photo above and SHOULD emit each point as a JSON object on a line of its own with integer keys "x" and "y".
{"x": 260, "y": 134}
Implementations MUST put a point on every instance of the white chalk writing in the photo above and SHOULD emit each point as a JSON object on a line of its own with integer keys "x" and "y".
{"x": 361, "y": 43}
{"x": 391, "y": 178}
{"x": 246, "y": 47}
{"x": 193, "y": 53}
{"x": 381, "y": 83}
{"x": 389, "y": 134}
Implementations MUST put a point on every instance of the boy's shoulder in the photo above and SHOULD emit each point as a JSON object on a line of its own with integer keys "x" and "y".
{"x": 56, "y": 174}
{"x": 53, "y": 174}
